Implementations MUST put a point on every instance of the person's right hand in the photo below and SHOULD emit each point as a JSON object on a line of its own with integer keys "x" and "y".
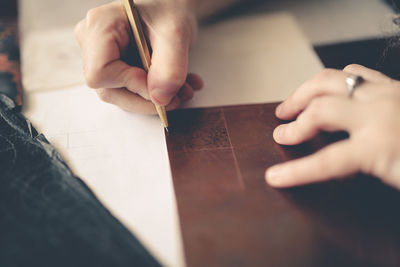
{"x": 104, "y": 37}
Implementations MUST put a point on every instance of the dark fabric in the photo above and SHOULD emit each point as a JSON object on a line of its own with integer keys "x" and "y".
{"x": 8, "y": 8}
{"x": 395, "y": 4}
{"x": 382, "y": 54}
{"x": 48, "y": 216}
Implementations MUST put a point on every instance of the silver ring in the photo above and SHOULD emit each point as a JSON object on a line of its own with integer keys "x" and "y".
{"x": 352, "y": 82}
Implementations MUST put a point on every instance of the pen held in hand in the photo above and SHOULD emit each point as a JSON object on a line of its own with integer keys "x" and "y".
{"x": 138, "y": 33}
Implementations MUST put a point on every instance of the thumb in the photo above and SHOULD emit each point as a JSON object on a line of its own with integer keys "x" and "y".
{"x": 168, "y": 69}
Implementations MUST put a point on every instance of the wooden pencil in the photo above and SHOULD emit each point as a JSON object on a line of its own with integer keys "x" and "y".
{"x": 138, "y": 33}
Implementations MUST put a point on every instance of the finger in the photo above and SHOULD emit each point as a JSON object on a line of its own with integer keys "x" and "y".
{"x": 195, "y": 81}
{"x": 327, "y": 113}
{"x": 186, "y": 93}
{"x": 328, "y": 82}
{"x": 168, "y": 70}
{"x": 174, "y": 104}
{"x": 79, "y": 31}
{"x": 106, "y": 36}
{"x": 106, "y": 33}
{"x": 367, "y": 74}
{"x": 118, "y": 74}
{"x": 126, "y": 100}
{"x": 334, "y": 161}
{"x": 131, "y": 102}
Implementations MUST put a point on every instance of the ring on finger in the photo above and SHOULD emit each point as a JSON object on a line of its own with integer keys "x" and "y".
{"x": 353, "y": 82}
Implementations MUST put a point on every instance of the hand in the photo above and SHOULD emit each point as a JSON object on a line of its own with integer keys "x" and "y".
{"x": 105, "y": 36}
{"x": 371, "y": 117}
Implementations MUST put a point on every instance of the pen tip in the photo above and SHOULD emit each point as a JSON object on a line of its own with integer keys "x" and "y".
{"x": 166, "y": 129}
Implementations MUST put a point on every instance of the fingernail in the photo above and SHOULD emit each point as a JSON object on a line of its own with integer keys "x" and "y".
{"x": 173, "y": 105}
{"x": 277, "y": 134}
{"x": 144, "y": 94}
{"x": 158, "y": 95}
{"x": 185, "y": 97}
{"x": 273, "y": 175}
{"x": 278, "y": 110}
{"x": 195, "y": 81}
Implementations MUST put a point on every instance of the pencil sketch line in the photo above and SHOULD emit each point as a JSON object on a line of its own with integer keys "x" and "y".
{"x": 239, "y": 173}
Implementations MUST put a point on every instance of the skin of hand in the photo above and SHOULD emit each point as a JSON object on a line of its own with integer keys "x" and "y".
{"x": 104, "y": 36}
{"x": 371, "y": 117}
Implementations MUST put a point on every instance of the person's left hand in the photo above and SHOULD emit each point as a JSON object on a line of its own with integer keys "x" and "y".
{"x": 371, "y": 117}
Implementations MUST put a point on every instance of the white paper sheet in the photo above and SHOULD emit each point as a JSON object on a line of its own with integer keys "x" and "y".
{"x": 123, "y": 156}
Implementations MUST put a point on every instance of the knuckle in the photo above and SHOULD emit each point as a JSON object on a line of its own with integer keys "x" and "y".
{"x": 315, "y": 108}
{"x": 309, "y": 87}
{"x": 134, "y": 77}
{"x": 104, "y": 95}
{"x": 320, "y": 79}
{"x": 306, "y": 88}
{"x": 78, "y": 30}
{"x": 104, "y": 19}
{"x": 325, "y": 74}
{"x": 94, "y": 14}
{"x": 351, "y": 68}
{"x": 93, "y": 78}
